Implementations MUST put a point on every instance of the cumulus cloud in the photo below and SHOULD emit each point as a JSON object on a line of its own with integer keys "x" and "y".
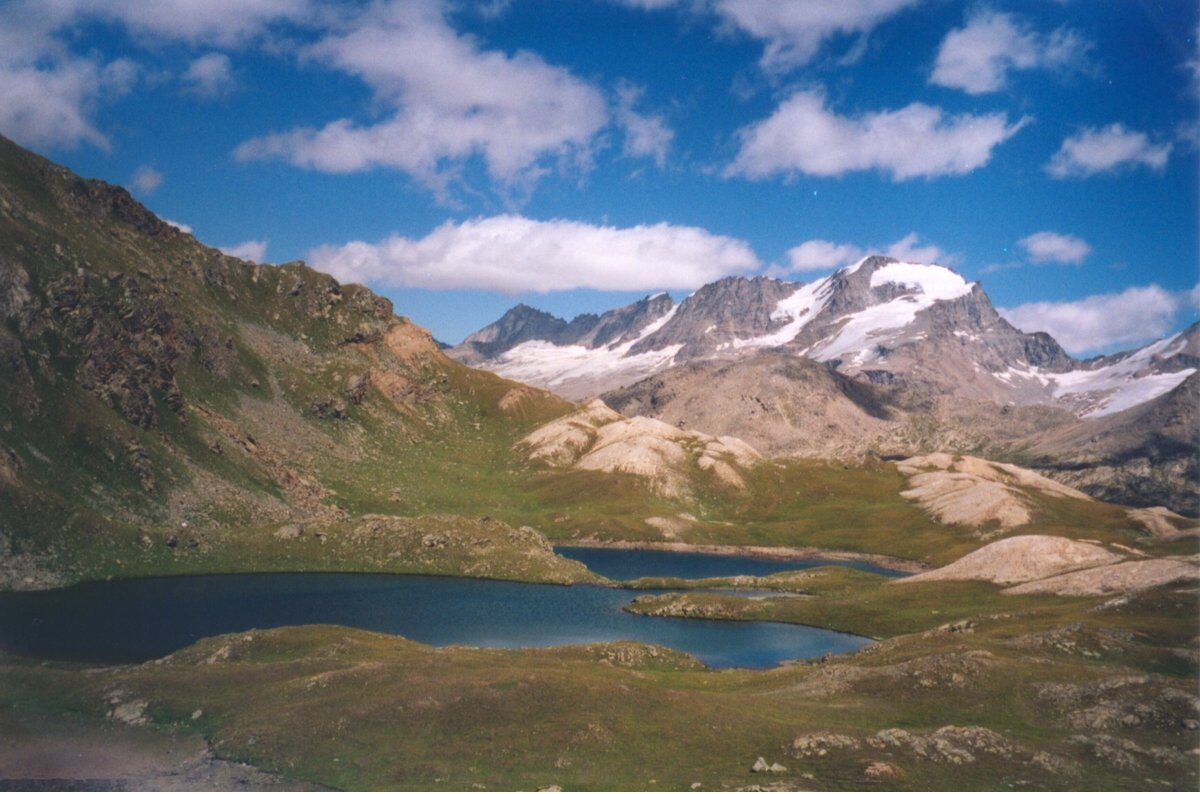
{"x": 1098, "y": 151}
{"x": 146, "y": 179}
{"x": 513, "y": 254}
{"x": 804, "y": 136}
{"x": 252, "y": 250}
{"x": 648, "y": 5}
{"x": 978, "y": 57}
{"x": 1101, "y": 322}
{"x": 794, "y": 31}
{"x": 209, "y": 76}
{"x": 645, "y": 135}
{"x": 50, "y": 95}
{"x": 51, "y": 106}
{"x": 183, "y": 227}
{"x": 826, "y": 255}
{"x": 448, "y": 100}
{"x": 822, "y": 255}
{"x": 221, "y": 22}
{"x": 909, "y": 248}
{"x": 1048, "y": 246}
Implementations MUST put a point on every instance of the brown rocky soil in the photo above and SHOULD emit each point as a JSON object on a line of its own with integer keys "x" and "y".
{"x": 77, "y": 755}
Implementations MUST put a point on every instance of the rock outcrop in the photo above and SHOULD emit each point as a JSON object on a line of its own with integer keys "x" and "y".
{"x": 1023, "y": 558}
{"x": 973, "y": 492}
{"x": 1059, "y": 566}
{"x": 597, "y": 438}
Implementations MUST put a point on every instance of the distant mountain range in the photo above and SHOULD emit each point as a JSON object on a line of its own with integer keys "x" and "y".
{"x": 883, "y": 356}
{"x": 880, "y": 320}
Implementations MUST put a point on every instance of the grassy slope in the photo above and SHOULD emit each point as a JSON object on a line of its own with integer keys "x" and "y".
{"x": 854, "y": 508}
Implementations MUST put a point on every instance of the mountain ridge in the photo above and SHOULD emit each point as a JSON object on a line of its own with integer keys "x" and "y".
{"x": 879, "y": 320}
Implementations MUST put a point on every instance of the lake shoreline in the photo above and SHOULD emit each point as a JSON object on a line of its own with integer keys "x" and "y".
{"x": 760, "y": 552}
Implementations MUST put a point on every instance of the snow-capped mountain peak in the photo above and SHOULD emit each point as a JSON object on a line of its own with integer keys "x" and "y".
{"x": 880, "y": 320}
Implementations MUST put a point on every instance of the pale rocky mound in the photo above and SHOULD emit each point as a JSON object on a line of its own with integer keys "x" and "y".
{"x": 596, "y": 438}
{"x": 561, "y": 442}
{"x": 671, "y": 526}
{"x": 1059, "y": 566}
{"x": 1123, "y": 577}
{"x": 1020, "y": 559}
{"x": 1163, "y": 523}
{"x": 959, "y": 489}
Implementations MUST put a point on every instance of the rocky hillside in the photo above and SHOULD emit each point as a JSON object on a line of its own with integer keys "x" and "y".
{"x": 157, "y": 397}
{"x": 780, "y": 403}
{"x": 1146, "y": 455}
{"x": 788, "y": 406}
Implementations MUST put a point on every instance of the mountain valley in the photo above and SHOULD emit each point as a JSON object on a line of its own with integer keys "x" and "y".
{"x": 167, "y": 410}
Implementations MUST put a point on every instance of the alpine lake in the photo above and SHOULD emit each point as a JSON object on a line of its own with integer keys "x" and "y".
{"x": 136, "y": 620}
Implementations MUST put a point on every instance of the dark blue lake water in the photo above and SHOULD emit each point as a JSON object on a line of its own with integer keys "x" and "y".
{"x": 136, "y": 620}
{"x": 625, "y": 564}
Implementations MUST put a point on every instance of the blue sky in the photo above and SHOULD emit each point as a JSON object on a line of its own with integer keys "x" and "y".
{"x": 578, "y": 154}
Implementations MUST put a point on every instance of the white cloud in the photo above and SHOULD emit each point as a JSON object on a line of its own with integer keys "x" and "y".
{"x": 795, "y": 29}
{"x": 146, "y": 179}
{"x": 512, "y": 254}
{"x": 221, "y": 22}
{"x": 977, "y": 58}
{"x": 1097, "y": 151}
{"x": 51, "y": 106}
{"x": 910, "y": 249}
{"x": 648, "y": 5}
{"x": 1100, "y": 322}
{"x": 803, "y": 136}
{"x": 822, "y": 255}
{"x": 183, "y": 227}
{"x": 1054, "y": 247}
{"x": 253, "y": 250}
{"x": 826, "y": 255}
{"x": 49, "y": 95}
{"x": 645, "y": 136}
{"x": 448, "y": 101}
{"x": 210, "y": 75}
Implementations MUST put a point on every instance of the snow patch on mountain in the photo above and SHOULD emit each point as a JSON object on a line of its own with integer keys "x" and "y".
{"x": 935, "y": 282}
{"x": 862, "y": 331}
{"x": 1111, "y": 388}
{"x": 859, "y": 331}
{"x": 1120, "y": 385}
{"x": 798, "y": 309}
{"x": 549, "y": 365}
